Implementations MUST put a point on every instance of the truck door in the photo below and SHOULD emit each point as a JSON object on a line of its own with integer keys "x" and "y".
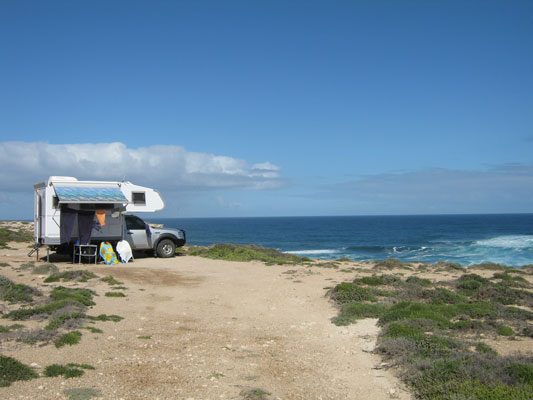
{"x": 136, "y": 233}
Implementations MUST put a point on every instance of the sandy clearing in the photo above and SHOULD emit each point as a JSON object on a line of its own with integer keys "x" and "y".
{"x": 216, "y": 329}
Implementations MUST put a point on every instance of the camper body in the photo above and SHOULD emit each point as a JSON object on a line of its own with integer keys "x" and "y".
{"x": 114, "y": 199}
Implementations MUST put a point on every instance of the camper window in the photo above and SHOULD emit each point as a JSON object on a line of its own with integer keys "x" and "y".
{"x": 139, "y": 198}
{"x": 55, "y": 202}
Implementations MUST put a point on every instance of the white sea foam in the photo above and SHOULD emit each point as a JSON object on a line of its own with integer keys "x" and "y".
{"x": 318, "y": 251}
{"x": 508, "y": 242}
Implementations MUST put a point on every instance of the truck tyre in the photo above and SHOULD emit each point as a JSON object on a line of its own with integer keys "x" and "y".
{"x": 166, "y": 248}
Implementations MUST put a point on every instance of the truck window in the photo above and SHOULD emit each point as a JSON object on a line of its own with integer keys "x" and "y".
{"x": 133, "y": 222}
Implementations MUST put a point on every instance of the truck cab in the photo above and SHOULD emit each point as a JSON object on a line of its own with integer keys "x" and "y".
{"x": 142, "y": 236}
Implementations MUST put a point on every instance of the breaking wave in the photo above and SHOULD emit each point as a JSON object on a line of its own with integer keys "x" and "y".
{"x": 312, "y": 252}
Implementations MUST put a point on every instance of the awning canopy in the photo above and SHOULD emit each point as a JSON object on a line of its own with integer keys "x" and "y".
{"x": 83, "y": 194}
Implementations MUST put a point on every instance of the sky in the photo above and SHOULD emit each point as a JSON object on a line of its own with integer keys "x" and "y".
{"x": 272, "y": 108}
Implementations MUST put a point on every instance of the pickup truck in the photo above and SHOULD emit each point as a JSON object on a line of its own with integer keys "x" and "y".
{"x": 162, "y": 241}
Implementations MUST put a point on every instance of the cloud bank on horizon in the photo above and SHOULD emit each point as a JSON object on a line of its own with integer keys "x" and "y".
{"x": 165, "y": 167}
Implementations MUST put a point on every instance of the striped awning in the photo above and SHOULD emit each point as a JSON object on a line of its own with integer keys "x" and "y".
{"x": 83, "y": 194}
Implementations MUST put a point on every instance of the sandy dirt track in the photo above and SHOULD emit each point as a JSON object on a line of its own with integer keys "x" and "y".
{"x": 218, "y": 330}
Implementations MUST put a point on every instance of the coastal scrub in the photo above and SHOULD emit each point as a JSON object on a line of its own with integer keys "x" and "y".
{"x": 432, "y": 331}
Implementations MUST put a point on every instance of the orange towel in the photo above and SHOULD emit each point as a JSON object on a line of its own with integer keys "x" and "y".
{"x": 100, "y": 215}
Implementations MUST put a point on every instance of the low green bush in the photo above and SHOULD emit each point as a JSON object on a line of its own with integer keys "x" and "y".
{"x": 16, "y": 292}
{"x": 75, "y": 275}
{"x": 70, "y": 370}
{"x": 70, "y": 338}
{"x": 105, "y": 317}
{"x": 114, "y": 294}
{"x": 12, "y": 370}
{"x": 351, "y": 312}
{"x": 44, "y": 269}
{"x": 234, "y": 252}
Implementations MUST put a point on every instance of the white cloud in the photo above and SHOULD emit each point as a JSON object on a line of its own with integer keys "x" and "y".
{"x": 163, "y": 167}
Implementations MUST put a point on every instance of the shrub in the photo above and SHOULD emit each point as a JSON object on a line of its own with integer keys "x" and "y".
{"x": 115, "y": 294}
{"x": 104, "y": 317}
{"x": 9, "y": 328}
{"x": 70, "y": 370}
{"x": 44, "y": 269}
{"x": 521, "y": 372}
{"x": 12, "y": 370}
{"x": 110, "y": 280}
{"x": 485, "y": 348}
{"x": 353, "y": 311}
{"x": 234, "y": 252}
{"x": 70, "y": 339}
{"x": 74, "y": 319}
{"x": 347, "y": 292}
{"x": 505, "y": 330}
{"x": 415, "y": 280}
{"x": 75, "y": 275}
{"x": 46, "y": 309}
{"x": 83, "y": 296}
{"x": 390, "y": 263}
{"x": 11, "y": 235}
{"x": 15, "y": 292}
{"x": 378, "y": 280}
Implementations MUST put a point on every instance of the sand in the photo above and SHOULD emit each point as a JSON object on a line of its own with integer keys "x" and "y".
{"x": 217, "y": 330}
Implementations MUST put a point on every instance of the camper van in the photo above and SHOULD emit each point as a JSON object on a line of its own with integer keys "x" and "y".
{"x": 69, "y": 211}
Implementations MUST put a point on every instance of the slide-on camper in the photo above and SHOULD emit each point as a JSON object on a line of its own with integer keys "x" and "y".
{"x": 68, "y": 211}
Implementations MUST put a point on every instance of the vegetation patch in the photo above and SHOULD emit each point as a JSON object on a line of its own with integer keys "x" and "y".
{"x": 234, "y": 252}
{"x": 44, "y": 269}
{"x": 110, "y": 280}
{"x": 429, "y": 331}
{"x": 68, "y": 371}
{"x": 11, "y": 235}
{"x": 105, "y": 317}
{"x": 15, "y": 292}
{"x": 255, "y": 394}
{"x": 379, "y": 280}
{"x": 82, "y": 393}
{"x": 391, "y": 263}
{"x": 70, "y": 338}
{"x": 92, "y": 329}
{"x": 78, "y": 275}
{"x": 114, "y": 294}
{"x": 10, "y": 328}
{"x": 12, "y": 370}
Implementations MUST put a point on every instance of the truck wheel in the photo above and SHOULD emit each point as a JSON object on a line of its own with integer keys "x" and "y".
{"x": 165, "y": 248}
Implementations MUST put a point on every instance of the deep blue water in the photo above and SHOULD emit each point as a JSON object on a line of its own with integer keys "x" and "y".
{"x": 466, "y": 239}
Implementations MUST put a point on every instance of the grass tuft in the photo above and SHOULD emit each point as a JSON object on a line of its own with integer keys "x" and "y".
{"x": 12, "y": 370}
{"x": 78, "y": 275}
{"x": 70, "y": 338}
{"x": 44, "y": 269}
{"x": 15, "y": 292}
{"x": 114, "y": 294}
{"x": 110, "y": 280}
{"x": 10, "y": 235}
{"x": 105, "y": 317}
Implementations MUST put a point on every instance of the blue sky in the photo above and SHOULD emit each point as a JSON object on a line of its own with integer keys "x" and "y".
{"x": 291, "y": 108}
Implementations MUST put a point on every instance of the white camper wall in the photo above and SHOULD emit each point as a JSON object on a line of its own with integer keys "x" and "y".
{"x": 153, "y": 201}
{"x": 52, "y": 217}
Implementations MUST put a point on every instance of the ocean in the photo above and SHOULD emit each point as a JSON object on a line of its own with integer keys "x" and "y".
{"x": 464, "y": 239}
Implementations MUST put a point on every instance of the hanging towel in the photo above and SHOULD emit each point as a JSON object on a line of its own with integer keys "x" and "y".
{"x": 124, "y": 251}
{"x": 107, "y": 254}
{"x": 100, "y": 216}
